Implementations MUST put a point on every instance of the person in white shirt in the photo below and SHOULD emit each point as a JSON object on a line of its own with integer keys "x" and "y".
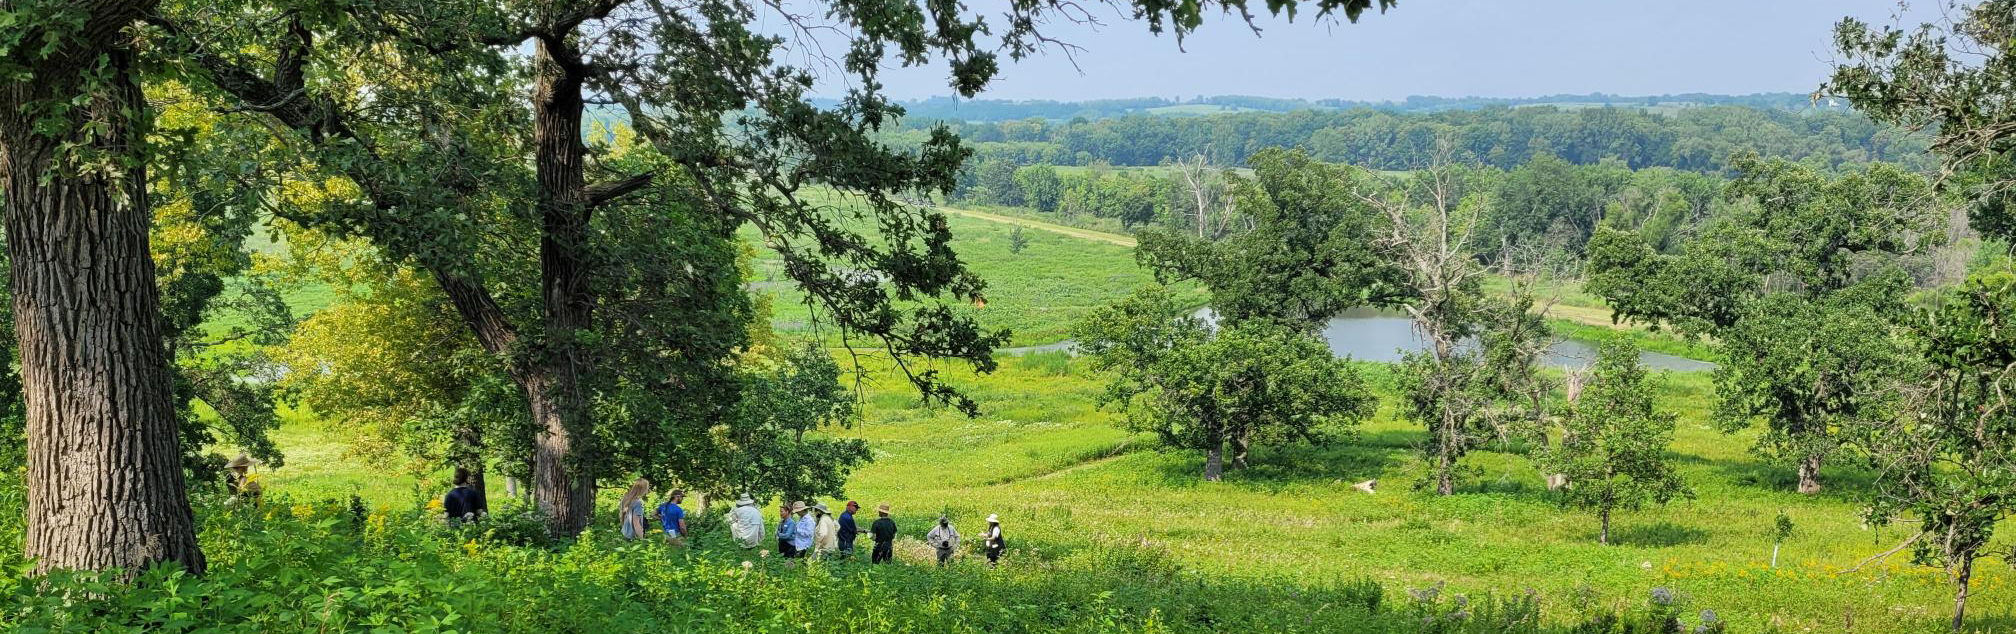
{"x": 745, "y": 523}
{"x": 944, "y": 538}
{"x": 825, "y": 533}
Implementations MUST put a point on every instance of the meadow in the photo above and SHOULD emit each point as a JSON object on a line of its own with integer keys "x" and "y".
{"x": 1084, "y": 500}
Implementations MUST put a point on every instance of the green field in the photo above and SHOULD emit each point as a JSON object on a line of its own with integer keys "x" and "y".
{"x": 1067, "y": 482}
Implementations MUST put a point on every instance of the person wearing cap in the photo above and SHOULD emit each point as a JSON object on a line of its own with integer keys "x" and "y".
{"x": 672, "y": 518}
{"x": 745, "y": 523}
{"x": 884, "y": 532}
{"x": 826, "y": 534}
{"x": 994, "y": 544}
{"x": 944, "y": 538}
{"x": 464, "y": 503}
{"x": 848, "y": 531}
{"x": 785, "y": 529}
{"x": 244, "y": 485}
{"x": 803, "y": 529}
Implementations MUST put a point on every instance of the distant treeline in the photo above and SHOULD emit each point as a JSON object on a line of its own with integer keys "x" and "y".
{"x": 1543, "y": 211}
{"x": 1697, "y": 139}
{"x": 995, "y": 110}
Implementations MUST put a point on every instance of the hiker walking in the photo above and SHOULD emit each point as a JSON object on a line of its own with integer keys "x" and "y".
{"x": 825, "y": 534}
{"x": 784, "y": 529}
{"x": 631, "y": 515}
{"x": 884, "y": 532}
{"x": 848, "y": 531}
{"x": 671, "y": 517}
{"x": 994, "y": 544}
{"x": 464, "y": 503}
{"x": 944, "y": 538}
{"x": 803, "y": 529}
{"x": 745, "y": 523}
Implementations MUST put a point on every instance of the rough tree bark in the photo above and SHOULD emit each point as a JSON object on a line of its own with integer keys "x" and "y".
{"x": 105, "y": 484}
{"x": 553, "y": 383}
{"x": 1809, "y": 474}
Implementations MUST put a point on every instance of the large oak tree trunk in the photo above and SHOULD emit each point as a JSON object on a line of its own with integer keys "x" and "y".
{"x": 1809, "y": 474}
{"x": 105, "y": 484}
{"x": 560, "y": 475}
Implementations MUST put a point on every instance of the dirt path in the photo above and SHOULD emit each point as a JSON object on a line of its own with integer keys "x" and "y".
{"x": 1087, "y": 234}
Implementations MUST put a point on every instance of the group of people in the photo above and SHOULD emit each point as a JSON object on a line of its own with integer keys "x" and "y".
{"x": 804, "y": 530}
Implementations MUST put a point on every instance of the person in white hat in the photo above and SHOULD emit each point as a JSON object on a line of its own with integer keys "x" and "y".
{"x": 994, "y": 543}
{"x": 803, "y": 528}
{"x": 825, "y": 532}
{"x": 745, "y": 523}
{"x": 244, "y": 485}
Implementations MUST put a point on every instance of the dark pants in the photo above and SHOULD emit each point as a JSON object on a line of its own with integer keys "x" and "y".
{"x": 884, "y": 552}
{"x": 944, "y": 555}
{"x": 993, "y": 555}
{"x": 784, "y": 548}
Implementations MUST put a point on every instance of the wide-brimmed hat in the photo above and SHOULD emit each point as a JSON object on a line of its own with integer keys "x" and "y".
{"x": 882, "y": 508}
{"x": 993, "y": 519}
{"x": 745, "y": 500}
{"x": 799, "y": 506}
{"x": 240, "y": 462}
{"x": 821, "y": 508}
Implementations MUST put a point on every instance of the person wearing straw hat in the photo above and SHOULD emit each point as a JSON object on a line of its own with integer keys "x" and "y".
{"x": 745, "y": 523}
{"x": 826, "y": 534}
{"x": 884, "y": 532}
{"x": 944, "y": 538}
{"x": 803, "y": 529}
{"x": 630, "y": 514}
{"x": 244, "y": 485}
{"x": 994, "y": 544}
{"x": 848, "y": 530}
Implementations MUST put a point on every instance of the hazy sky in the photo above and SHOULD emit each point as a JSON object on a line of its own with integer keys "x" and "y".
{"x": 1497, "y": 48}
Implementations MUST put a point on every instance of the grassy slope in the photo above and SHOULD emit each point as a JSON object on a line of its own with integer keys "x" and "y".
{"x": 1064, "y": 477}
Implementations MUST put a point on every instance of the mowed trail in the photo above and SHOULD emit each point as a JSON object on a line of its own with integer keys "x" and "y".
{"x": 1087, "y": 234}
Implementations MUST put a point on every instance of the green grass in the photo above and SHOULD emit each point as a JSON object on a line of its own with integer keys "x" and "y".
{"x": 1063, "y": 477}
{"x": 1067, "y": 481}
{"x": 1037, "y": 294}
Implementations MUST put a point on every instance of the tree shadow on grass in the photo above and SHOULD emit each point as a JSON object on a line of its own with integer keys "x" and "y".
{"x": 1276, "y": 468}
{"x": 1842, "y": 482}
{"x": 1660, "y": 534}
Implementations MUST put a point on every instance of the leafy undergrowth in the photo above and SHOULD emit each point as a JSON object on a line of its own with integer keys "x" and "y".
{"x": 339, "y": 566}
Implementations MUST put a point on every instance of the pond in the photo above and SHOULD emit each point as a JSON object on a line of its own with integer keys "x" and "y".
{"x": 1370, "y": 334}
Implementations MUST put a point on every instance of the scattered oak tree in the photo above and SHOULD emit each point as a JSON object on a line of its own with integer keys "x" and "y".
{"x": 1197, "y": 387}
{"x": 421, "y": 109}
{"x": 1799, "y": 288}
{"x": 105, "y": 479}
{"x": 1613, "y": 449}
{"x": 1478, "y": 379}
{"x": 1950, "y": 462}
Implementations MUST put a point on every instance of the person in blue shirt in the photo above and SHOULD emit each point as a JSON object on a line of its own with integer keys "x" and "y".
{"x": 784, "y": 530}
{"x": 672, "y": 518}
{"x": 803, "y": 529}
{"x": 848, "y": 531}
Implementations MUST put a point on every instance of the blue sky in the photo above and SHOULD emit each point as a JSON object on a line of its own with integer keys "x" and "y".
{"x": 1497, "y": 48}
